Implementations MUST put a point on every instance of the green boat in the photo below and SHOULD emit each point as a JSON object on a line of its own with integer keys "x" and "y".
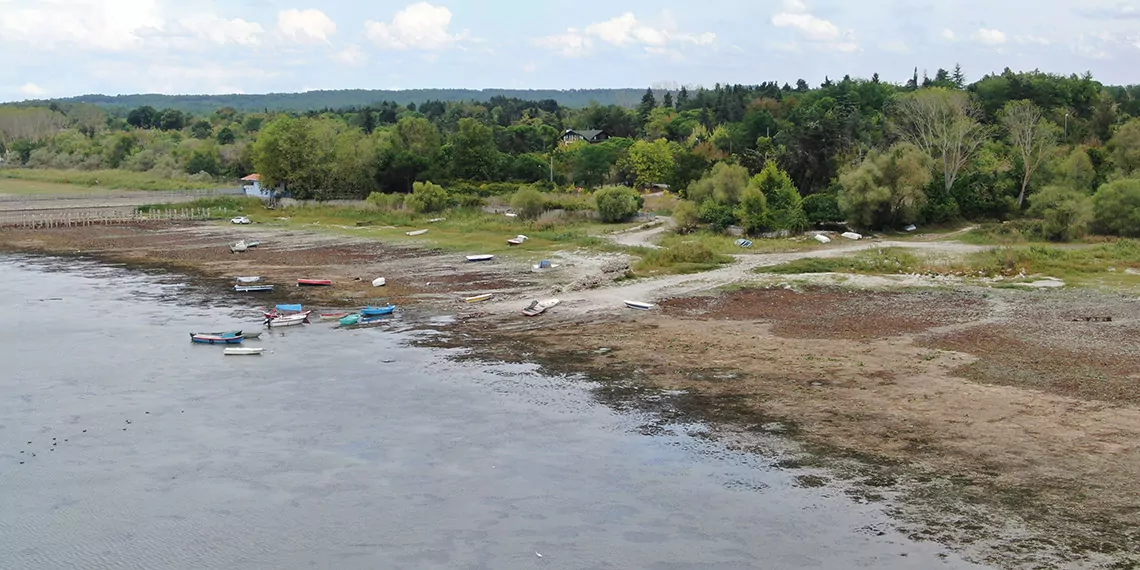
{"x": 350, "y": 320}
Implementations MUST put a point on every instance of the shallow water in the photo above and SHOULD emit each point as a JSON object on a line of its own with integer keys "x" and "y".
{"x": 351, "y": 449}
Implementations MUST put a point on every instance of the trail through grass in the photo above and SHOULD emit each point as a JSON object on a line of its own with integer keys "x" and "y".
{"x": 36, "y": 180}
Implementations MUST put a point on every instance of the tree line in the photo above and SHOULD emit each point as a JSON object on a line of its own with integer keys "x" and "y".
{"x": 766, "y": 157}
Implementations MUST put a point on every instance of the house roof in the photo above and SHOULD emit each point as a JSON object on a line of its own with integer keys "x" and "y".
{"x": 251, "y": 178}
{"x": 588, "y": 134}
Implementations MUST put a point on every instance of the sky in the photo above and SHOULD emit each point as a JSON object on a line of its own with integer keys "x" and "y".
{"x": 60, "y": 48}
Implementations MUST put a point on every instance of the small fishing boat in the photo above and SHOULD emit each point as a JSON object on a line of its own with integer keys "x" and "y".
{"x": 252, "y": 243}
{"x": 744, "y": 243}
{"x": 289, "y": 308}
{"x": 511, "y": 215}
{"x": 219, "y": 333}
{"x": 314, "y": 282}
{"x": 482, "y": 257}
{"x": 253, "y": 279}
{"x": 379, "y": 282}
{"x": 253, "y": 288}
{"x": 371, "y": 311}
{"x": 215, "y": 338}
{"x": 238, "y": 247}
{"x": 638, "y": 305}
{"x": 243, "y": 351}
{"x": 288, "y": 320}
{"x": 515, "y": 241}
{"x": 350, "y": 320}
{"x": 416, "y": 233}
{"x": 539, "y": 307}
{"x": 252, "y": 335}
{"x": 479, "y": 298}
{"x": 336, "y": 315}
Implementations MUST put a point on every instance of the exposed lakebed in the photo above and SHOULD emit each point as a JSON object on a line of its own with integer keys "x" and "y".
{"x": 357, "y": 449}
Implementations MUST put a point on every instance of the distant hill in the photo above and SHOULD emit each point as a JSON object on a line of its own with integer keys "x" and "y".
{"x": 311, "y": 100}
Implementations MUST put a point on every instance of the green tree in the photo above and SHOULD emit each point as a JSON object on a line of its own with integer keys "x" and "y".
{"x": 427, "y": 198}
{"x": 172, "y": 120}
{"x": 822, "y": 208}
{"x": 886, "y": 189}
{"x": 201, "y": 129}
{"x": 529, "y": 203}
{"x": 474, "y": 155}
{"x": 144, "y": 117}
{"x": 204, "y": 160}
{"x": 753, "y": 211}
{"x": 719, "y": 216}
{"x": 648, "y": 103}
{"x": 226, "y": 136}
{"x": 1125, "y": 147}
{"x": 1067, "y": 213}
{"x": 686, "y": 216}
{"x": 1078, "y": 172}
{"x": 286, "y": 153}
{"x": 943, "y": 124}
{"x": 1032, "y": 135}
{"x": 650, "y": 162}
{"x": 590, "y": 164}
{"x": 1116, "y": 208}
{"x": 784, "y": 206}
{"x": 723, "y": 184}
{"x": 617, "y": 203}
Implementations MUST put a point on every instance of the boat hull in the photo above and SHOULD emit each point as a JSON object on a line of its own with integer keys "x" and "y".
{"x": 377, "y": 311}
{"x": 200, "y": 338}
{"x": 253, "y": 288}
{"x": 379, "y": 282}
{"x": 639, "y": 305}
{"x": 479, "y": 298}
{"x": 416, "y": 233}
{"x": 243, "y": 351}
{"x": 313, "y": 282}
{"x": 480, "y": 257}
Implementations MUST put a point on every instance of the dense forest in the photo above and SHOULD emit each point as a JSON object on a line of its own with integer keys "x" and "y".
{"x": 1062, "y": 150}
{"x": 342, "y": 98}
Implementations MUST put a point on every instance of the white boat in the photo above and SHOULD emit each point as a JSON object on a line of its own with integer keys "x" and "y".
{"x": 379, "y": 282}
{"x": 243, "y": 351}
{"x": 511, "y": 215}
{"x": 484, "y": 257}
{"x": 434, "y": 220}
{"x": 544, "y": 265}
{"x": 638, "y": 305}
{"x": 239, "y": 246}
{"x": 851, "y": 235}
{"x": 288, "y": 320}
{"x": 479, "y": 298}
{"x": 416, "y": 233}
{"x": 248, "y": 279}
{"x": 539, "y": 307}
{"x": 822, "y": 238}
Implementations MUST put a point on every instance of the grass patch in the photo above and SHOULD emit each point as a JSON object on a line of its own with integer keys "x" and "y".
{"x": 720, "y": 243}
{"x": 221, "y": 207}
{"x": 684, "y": 257}
{"x": 888, "y": 260}
{"x": 105, "y": 179}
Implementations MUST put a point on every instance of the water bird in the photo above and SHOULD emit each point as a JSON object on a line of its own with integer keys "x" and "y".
{"x": 84, "y": 431}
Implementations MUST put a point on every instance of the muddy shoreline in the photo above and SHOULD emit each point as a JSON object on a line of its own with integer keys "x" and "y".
{"x": 995, "y": 422}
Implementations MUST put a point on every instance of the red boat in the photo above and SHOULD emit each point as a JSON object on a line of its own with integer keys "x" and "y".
{"x": 314, "y": 282}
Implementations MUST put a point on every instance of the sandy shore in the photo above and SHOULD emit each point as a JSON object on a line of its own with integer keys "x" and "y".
{"x": 1000, "y": 422}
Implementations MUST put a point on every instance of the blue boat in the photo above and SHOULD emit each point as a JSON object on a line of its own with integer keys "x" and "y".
{"x": 232, "y": 337}
{"x": 377, "y": 311}
{"x": 289, "y": 308}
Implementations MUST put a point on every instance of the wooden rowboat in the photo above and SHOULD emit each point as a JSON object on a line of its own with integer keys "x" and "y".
{"x": 288, "y": 320}
{"x": 215, "y": 338}
{"x": 416, "y": 233}
{"x": 314, "y": 282}
{"x": 483, "y": 257}
{"x": 638, "y": 305}
{"x": 479, "y": 298}
{"x": 337, "y": 315}
{"x": 243, "y": 351}
{"x": 371, "y": 311}
{"x": 253, "y": 288}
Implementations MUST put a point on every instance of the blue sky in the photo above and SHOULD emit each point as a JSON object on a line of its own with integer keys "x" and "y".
{"x": 57, "y": 48}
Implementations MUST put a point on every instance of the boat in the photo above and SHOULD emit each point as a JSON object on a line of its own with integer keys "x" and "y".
{"x": 479, "y": 298}
{"x": 483, "y": 257}
{"x": 288, "y": 320}
{"x": 337, "y": 315}
{"x": 289, "y": 308}
{"x": 248, "y": 279}
{"x": 252, "y": 335}
{"x": 252, "y": 243}
{"x": 253, "y": 288}
{"x": 511, "y": 215}
{"x": 638, "y": 305}
{"x": 219, "y": 333}
{"x": 539, "y": 307}
{"x": 544, "y": 265}
{"x": 350, "y": 320}
{"x": 744, "y": 242}
{"x": 379, "y": 282}
{"x": 514, "y": 241}
{"x": 434, "y": 220}
{"x": 822, "y": 238}
{"x": 238, "y": 247}
{"x": 371, "y": 311}
{"x": 416, "y": 233}
{"x": 215, "y": 338}
{"x": 243, "y": 351}
{"x": 314, "y": 282}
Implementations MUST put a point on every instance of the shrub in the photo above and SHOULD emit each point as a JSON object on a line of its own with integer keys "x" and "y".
{"x": 617, "y": 203}
{"x": 687, "y": 217}
{"x": 427, "y": 197}
{"x": 718, "y": 215}
{"x": 1116, "y": 208}
{"x": 822, "y": 208}
{"x": 782, "y": 208}
{"x": 386, "y": 201}
{"x": 1066, "y": 213}
{"x": 529, "y": 203}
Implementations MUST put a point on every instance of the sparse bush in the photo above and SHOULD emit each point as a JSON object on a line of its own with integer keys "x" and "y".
{"x": 687, "y": 217}
{"x": 1066, "y": 213}
{"x": 753, "y": 211}
{"x": 617, "y": 203}
{"x": 717, "y": 215}
{"x": 1116, "y": 208}
{"x": 387, "y": 202}
{"x": 529, "y": 203}
{"x": 427, "y": 198}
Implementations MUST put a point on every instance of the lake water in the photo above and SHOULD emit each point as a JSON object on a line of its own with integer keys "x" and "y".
{"x": 122, "y": 445}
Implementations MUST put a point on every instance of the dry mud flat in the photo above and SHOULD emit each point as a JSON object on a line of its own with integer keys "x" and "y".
{"x": 1001, "y": 422}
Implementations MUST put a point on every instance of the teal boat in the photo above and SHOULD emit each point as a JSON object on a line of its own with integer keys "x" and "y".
{"x": 350, "y": 320}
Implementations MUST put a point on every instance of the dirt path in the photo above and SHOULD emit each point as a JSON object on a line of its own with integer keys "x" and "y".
{"x": 645, "y": 235}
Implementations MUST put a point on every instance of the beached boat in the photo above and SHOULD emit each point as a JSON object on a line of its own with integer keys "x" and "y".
{"x": 544, "y": 265}
{"x": 514, "y": 241}
{"x": 252, "y": 243}
{"x": 252, "y": 335}
{"x": 243, "y": 351}
{"x": 216, "y": 338}
{"x": 511, "y": 215}
{"x": 638, "y": 305}
{"x": 479, "y": 298}
{"x": 379, "y": 282}
{"x": 253, "y": 288}
{"x": 252, "y": 279}
{"x": 434, "y": 220}
{"x": 371, "y": 311}
{"x": 539, "y": 307}
{"x": 483, "y": 257}
{"x": 416, "y": 233}
{"x": 238, "y": 247}
{"x": 744, "y": 242}
{"x": 336, "y": 315}
{"x": 288, "y": 320}
{"x": 314, "y": 282}
{"x": 350, "y": 320}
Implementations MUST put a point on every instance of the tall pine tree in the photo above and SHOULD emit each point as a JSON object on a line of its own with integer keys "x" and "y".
{"x": 648, "y": 103}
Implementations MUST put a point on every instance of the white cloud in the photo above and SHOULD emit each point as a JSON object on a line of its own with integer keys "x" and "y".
{"x": 420, "y": 26}
{"x": 1031, "y": 39}
{"x": 949, "y": 34}
{"x": 351, "y": 55}
{"x": 530, "y": 67}
{"x": 626, "y": 31}
{"x": 32, "y": 90}
{"x": 98, "y": 25}
{"x": 305, "y": 26}
{"x": 222, "y": 31}
{"x": 814, "y": 29}
{"x": 990, "y": 37}
{"x": 895, "y": 47}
